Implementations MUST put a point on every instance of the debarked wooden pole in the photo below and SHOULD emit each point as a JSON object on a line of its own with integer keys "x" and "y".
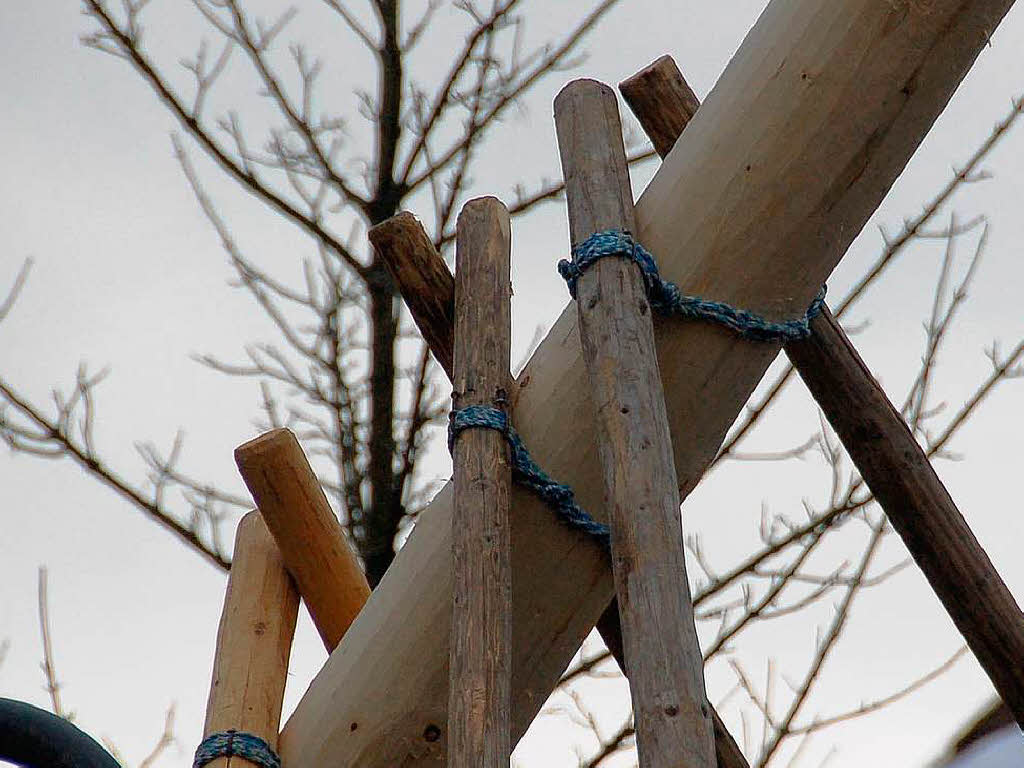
{"x": 883, "y": 449}
{"x": 254, "y": 641}
{"x": 666, "y": 680}
{"x": 428, "y": 287}
{"x": 480, "y": 669}
{"x": 312, "y": 542}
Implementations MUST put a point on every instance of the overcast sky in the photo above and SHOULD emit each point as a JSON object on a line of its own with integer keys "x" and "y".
{"x": 129, "y": 274}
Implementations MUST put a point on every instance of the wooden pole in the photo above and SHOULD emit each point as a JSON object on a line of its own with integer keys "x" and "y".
{"x": 792, "y": 151}
{"x": 313, "y": 546}
{"x": 666, "y": 680}
{"x": 481, "y": 655}
{"x": 253, "y": 642}
{"x": 881, "y": 445}
{"x": 917, "y": 504}
{"x": 662, "y": 101}
{"x": 424, "y": 281}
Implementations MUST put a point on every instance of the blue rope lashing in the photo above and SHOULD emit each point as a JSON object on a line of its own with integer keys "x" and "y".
{"x": 666, "y": 298}
{"x": 232, "y": 743}
{"x": 525, "y": 470}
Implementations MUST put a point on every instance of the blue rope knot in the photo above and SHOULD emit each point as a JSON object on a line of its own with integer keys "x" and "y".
{"x": 667, "y": 299}
{"x": 232, "y": 743}
{"x": 525, "y": 470}
{"x": 476, "y": 416}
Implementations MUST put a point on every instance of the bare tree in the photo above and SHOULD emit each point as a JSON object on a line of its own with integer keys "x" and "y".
{"x": 346, "y": 371}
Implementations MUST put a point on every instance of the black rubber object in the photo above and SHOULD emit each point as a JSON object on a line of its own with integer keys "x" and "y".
{"x": 35, "y": 738}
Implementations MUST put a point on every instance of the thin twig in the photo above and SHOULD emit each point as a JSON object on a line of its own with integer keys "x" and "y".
{"x": 48, "y": 665}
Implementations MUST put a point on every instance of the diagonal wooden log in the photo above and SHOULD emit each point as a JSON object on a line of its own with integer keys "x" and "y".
{"x": 481, "y": 626}
{"x": 917, "y": 504}
{"x": 878, "y": 440}
{"x": 312, "y": 542}
{"x": 424, "y": 281}
{"x": 670, "y": 708}
{"x": 805, "y": 132}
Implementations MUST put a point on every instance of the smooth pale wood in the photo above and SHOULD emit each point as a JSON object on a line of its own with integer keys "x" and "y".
{"x": 481, "y": 653}
{"x": 822, "y": 151}
{"x": 405, "y": 266}
{"x": 326, "y": 570}
{"x": 917, "y": 504}
{"x": 254, "y": 640}
{"x": 882, "y": 447}
{"x": 425, "y": 282}
{"x": 670, "y": 709}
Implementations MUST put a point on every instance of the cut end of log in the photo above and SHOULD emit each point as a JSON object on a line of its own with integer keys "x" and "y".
{"x": 269, "y": 443}
{"x": 662, "y": 101}
{"x": 250, "y": 518}
{"x": 485, "y": 205}
{"x": 423, "y": 279}
{"x": 574, "y": 89}
{"x": 664, "y": 63}
{"x": 312, "y": 542}
{"x": 402, "y": 224}
{"x": 484, "y": 223}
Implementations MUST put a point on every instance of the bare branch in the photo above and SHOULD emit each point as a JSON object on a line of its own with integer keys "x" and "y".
{"x": 865, "y": 709}
{"x": 55, "y": 438}
{"x": 127, "y": 42}
{"x": 442, "y": 100}
{"x": 548, "y": 59}
{"x": 255, "y": 46}
{"x": 48, "y": 665}
{"x": 783, "y": 728}
{"x": 19, "y": 283}
{"x": 165, "y": 739}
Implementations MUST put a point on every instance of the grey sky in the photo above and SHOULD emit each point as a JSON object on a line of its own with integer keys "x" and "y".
{"x": 128, "y": 273}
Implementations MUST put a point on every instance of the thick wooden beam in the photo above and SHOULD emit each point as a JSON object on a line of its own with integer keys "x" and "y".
{"x": 666, "y": 681}
{"x": 312, "y": 542}
{"x": 254, "y": 641}
{"x": 878, "y": 440}
{"x": 794, "y": 148}
{"x": 481, "y": 627}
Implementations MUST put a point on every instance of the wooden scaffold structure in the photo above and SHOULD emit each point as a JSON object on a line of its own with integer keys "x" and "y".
{"x": 761, "y": 190}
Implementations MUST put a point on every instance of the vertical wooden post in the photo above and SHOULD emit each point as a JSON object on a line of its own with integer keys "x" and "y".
{"x": 253, "y": 642}
{"x": 890, "y": 460}
{"x": 429, "y": 289}
{"x": 666, "y": 675}
{"x": 481, "y": 660}
{"x": 313, "y": 546}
